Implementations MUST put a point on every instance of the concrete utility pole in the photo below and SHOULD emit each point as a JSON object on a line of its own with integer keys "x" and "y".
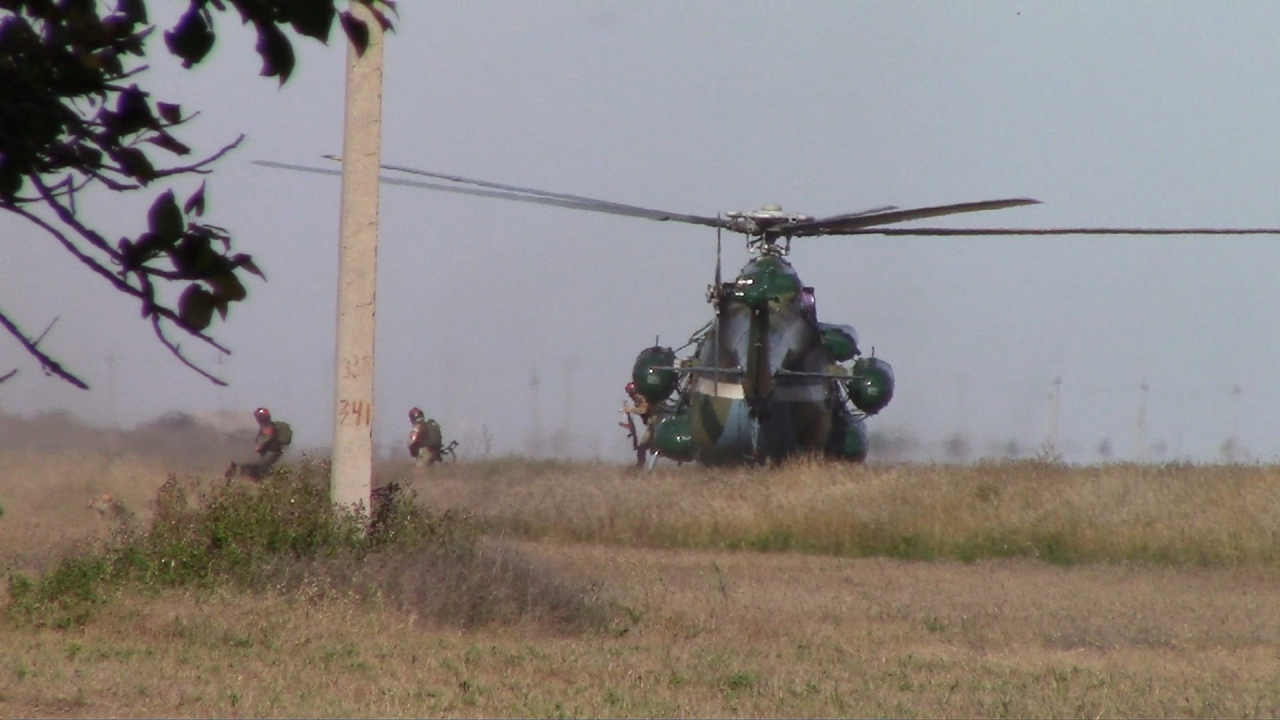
{"x": 352, "y": 479}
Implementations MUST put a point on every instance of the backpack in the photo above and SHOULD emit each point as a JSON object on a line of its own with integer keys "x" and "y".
{"x": 432, "y": 437}
{"x": 284, "y": 434}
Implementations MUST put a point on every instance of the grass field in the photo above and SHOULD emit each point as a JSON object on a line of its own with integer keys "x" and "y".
{"x": 1004, "y": 590}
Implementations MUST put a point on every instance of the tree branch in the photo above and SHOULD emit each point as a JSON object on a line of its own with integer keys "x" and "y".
{"x": 50, "y": 366}
{"x": 199, "y": 167}
{"x": 146, "y": 293}
{"x": 177, "y": 352}
{"x": 80, "y": 255}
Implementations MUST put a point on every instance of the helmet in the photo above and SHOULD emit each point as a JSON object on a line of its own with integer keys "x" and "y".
{"x": 262, "y": 414}
{"x": 415, "y": 415}
{"x": 630, "y": 388}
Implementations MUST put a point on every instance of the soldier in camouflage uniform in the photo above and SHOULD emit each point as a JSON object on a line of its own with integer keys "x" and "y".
{"x": 273, "y": 438}
{"x": 649, "y": 414}
{"x": 425, "y": 439}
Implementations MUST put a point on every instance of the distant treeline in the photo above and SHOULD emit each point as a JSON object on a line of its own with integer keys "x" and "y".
{"x": 181, "y": 440}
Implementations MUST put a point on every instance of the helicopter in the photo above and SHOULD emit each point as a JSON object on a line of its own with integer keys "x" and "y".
{"x": 765, "y": 379}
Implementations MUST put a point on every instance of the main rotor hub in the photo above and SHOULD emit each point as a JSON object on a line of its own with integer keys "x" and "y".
{"x": 760, "y": 222}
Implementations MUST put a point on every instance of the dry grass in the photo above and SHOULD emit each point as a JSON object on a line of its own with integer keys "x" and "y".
{"x": 47, "y": 501}
{"x": 718, "y": 634}
{"x": 706, "y": 632}
{"x": 1187, "y": 515}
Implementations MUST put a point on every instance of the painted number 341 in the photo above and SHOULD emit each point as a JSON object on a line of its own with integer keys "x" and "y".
{"x": 359, "y": 412}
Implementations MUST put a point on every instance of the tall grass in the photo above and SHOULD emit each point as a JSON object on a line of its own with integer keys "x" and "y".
{"x": 285, "y": 533}
{"x": 327, "y": 625}
{"x": 1174, "y": 514}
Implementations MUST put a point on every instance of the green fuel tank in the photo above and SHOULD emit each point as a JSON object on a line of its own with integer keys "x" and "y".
{"x": 673, "y": 438}
{"x": 653, "y": 382}
{"x": 856, "y": 442}
{"x": 871, "y": 387}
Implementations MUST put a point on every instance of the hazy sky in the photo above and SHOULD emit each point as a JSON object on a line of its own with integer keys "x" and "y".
{"x": 1146, "y": 114}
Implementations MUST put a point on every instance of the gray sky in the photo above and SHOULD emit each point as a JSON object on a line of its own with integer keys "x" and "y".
{"x": 1151, "y": 114}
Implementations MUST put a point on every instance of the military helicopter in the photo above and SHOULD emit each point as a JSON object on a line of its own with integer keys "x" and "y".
{"x": 766, "y": 379}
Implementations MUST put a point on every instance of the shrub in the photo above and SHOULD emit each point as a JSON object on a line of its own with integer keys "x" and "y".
{"x": 285, "y": 534}
{"x": 235, "y": 532}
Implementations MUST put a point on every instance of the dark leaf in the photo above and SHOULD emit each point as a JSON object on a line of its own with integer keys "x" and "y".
{"x": 90, "y": 157}
{"x": 228, "y": 287}
{"x": 165, "y": 219}
{"x": 192, "y": 256}
{"x": 133, "y": 113}
{"x": 276, "y": 52}
{"x": 134, "y": 10}
{"x": 10, "y": 180}
{"x": 135, "y": 164}
{"x": 312, "y": 19}
{"x": 195, "y": 307}
{"x": 148, "y": 245}
{"x": 192, "y": 38}
{"x": 356, "y": 31}
{"x": 244, "y": 261}
{"x": 210, "y": 234}
{"x": 168, "y": 142}
{"x": 170, "y": 112}
{"x": 128, "y": 258}
{"x": 195, "y": 203}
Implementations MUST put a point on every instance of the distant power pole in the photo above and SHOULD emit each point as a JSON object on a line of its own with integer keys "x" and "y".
{"x": 1055, "y": 407}
{"x": 222, "y": 396}
{"x": 1142, "y": 421}
{"x": 1231, "y": 447}
{"x": 535, "y": 441}
{"x": 352, "y": 478}
{"x": 111, "y": 389}
{"x": 564, "y": 434}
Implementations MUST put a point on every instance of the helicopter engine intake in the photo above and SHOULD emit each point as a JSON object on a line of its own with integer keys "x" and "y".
{"x": 652, "y": 374}
{"x": 871, "y": 387}
{"x": 840, "y": 340}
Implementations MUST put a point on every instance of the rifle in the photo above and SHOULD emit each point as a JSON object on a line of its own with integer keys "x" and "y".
{"x": 630, "y": 425}
{"x": 448, "y": 450}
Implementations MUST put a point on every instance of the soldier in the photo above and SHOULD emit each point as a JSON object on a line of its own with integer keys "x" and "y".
{"x": 425, "y": 435}
{"x": 273, "y": 438}
{"x": 640, "y": 406}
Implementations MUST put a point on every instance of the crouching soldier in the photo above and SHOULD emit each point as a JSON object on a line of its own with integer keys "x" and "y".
{"x": 273, "y": 438}
{"x": 425, "y": 439}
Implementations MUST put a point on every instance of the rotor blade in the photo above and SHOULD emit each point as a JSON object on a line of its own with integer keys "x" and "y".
{"x": 843, "y": 224}
{"x": 532, "y": 195}
{"x": 447, "y": 188}
{"x": 868, "y": 211}
{"x": 937, "y": 232}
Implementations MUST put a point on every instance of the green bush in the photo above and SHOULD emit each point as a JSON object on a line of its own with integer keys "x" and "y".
{"x": 237, "y": 532}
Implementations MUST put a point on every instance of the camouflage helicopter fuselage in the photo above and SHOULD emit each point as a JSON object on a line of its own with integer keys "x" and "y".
{"x": 764, "y": 381}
